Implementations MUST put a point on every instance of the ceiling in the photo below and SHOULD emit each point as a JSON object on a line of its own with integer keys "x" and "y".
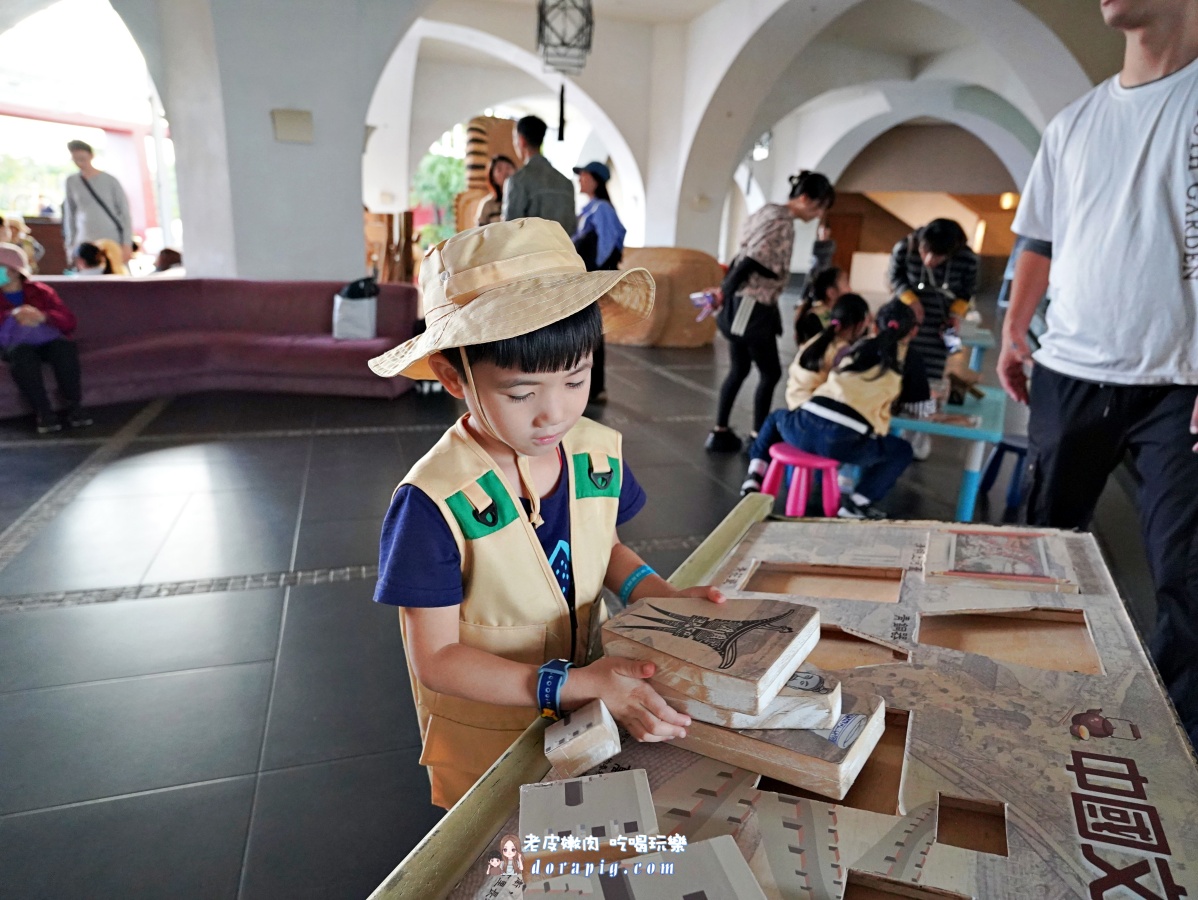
{"x": 648, "y": 11}
{"x": 899, "y": 27}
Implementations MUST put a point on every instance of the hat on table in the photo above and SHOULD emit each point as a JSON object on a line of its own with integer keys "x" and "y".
{"x": 507, "y": 279}
{"x": 13, "y": 257}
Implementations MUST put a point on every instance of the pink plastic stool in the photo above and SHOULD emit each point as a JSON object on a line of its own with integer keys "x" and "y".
{"x": 802, "y": 465}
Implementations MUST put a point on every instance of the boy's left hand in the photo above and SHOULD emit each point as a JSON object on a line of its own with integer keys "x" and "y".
{"x": 703, "y": 592}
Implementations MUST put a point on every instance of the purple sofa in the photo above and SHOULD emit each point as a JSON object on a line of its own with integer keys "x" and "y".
{"x": 141, "y": 338}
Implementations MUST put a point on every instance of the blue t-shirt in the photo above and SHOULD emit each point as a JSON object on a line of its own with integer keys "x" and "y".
{"x": 419, "y": 563}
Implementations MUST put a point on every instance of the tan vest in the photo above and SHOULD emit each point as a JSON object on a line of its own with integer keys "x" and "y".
{"x": 801, "y": 383}
{"x": 870, "y": 393}
{"x": 512, "y": 605}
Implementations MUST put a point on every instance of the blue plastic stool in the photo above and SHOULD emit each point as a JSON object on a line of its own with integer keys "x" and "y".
{"x": 1013, "y": 443}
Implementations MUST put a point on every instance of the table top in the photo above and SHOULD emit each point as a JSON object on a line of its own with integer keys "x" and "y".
{"x": 991, "y": 408}
{"x": 976, "y": 336}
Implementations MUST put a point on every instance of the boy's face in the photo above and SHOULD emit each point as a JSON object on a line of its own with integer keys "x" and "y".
{"x": 529, "y": 412}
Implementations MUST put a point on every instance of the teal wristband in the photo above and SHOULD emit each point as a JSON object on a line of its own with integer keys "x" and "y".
{"x": 550, "y": 678}
{"x": 638, "y": 575}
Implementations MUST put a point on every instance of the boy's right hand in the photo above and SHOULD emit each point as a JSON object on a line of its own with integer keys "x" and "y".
{"x": 621, "y": 684}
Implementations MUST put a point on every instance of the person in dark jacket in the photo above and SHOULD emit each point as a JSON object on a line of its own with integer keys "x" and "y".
{"x": 35, "y": 327}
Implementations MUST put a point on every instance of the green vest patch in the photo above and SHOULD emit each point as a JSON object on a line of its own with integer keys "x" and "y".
{"x": 477, "y": 523}
{"x": 588, "y": 483}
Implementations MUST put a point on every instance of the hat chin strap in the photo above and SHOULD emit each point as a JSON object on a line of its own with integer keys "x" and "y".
{"x": 523, "y": 468}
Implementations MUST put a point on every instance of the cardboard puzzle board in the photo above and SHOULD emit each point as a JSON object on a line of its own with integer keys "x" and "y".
{"x": 735, "y": 655}
{"x": 994, "y": 778}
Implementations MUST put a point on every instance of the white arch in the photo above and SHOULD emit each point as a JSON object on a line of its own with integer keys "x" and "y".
{"x": 843, "y": 123}
{"x": 389, "y": 149}
{"x": 738, "y": 52}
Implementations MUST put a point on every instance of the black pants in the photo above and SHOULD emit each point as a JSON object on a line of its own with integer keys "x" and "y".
{"x": 25, "y": 363}
{"x": 1079, "y": 431}
{"x": 762, "y": 351}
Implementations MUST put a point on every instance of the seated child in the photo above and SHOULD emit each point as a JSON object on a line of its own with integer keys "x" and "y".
{"x": 499, "y": 541}
{"x": 822, "y": 291}
{"x": 848, "y": 417}
{"x": 849, "y": 321}
{"x": 36, "y": 328}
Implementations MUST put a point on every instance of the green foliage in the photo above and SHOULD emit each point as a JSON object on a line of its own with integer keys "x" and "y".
{"x": 23, "y": 180}
{"x": 438, "y": 180}
{"x": 435, "y": 234}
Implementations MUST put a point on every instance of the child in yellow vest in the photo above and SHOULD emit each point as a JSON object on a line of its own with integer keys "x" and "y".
{"x": 499, "y": 541}
{"x": 849, "y": 320}
{"x": 848, "y": 416}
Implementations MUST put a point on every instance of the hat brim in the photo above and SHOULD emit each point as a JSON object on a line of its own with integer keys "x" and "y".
{"x": 625, "y": 296}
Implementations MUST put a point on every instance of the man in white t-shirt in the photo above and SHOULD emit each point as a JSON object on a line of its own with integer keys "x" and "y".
{"x": 1114, "y": 188}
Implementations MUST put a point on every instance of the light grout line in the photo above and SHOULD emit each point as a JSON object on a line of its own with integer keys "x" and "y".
{"x": 256, "y": 581}
{"x": 414, "y": 748}
{"x": 20, "y": 533}
{"x": 117, "y": 679}
{"x": 146, "y": 793}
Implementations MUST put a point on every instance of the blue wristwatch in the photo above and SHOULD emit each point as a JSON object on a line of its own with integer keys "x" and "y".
{"x": 550, "y": 678}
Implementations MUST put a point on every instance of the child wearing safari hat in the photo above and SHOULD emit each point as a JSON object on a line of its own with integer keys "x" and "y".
{"x": 499, "y": 541}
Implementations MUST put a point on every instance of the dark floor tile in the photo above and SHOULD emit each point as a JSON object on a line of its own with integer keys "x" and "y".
{"x": 27, "y": 473}
{"x": 234, "y": 411}
{"x": 228, "y": 533}
{"x": 63, "y": 745}
{"x": 180, "y": 844}
{"x": 406, "y": 409}
{"x": 681, "y": 502}
{"x": 334, "y": 543}
{"x": 107, "y": 420}
{"x": 254, "y": 453}
{"x": 41, "y": 648}
{"x": 10, "y": 514}
{"x": 336, "y": 830}
{"x": 105, "y": 542}
{"x": 133, "y": 477}
{"x": 342, "y": 687}
{"x": 337, "y": 494}
{"x": 355, "y": 452}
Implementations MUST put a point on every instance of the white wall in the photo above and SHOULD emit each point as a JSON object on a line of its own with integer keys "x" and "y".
{"x": 296, "y": 208}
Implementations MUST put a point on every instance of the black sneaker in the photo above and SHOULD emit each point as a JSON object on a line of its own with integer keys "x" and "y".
{"x": 48, "y": 425}
{"x": 752, "y": 485}
{"x": 724, "y": 441}
{"x": 79, "y": 419}
{"x": 849, "y": 509}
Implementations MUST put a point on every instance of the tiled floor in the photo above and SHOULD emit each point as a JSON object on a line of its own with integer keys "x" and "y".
{"x": 221, "y": 743}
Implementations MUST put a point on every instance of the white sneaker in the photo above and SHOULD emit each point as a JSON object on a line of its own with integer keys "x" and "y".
{"x": 921, "y": 445}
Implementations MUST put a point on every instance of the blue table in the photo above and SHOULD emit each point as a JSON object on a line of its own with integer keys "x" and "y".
{"x": 978, "y": 340}
{"x": 991, "y": 409}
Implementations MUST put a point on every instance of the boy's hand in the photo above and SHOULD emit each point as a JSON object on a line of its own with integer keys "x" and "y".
{"x": 703, "y": 592}
{"x": 620, "y": 683}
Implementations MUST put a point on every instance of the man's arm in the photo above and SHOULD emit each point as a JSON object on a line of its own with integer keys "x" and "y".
{"x": 515, "y": 199}
{"x": 68, "y": 221}
{"x": 1028, "y": 287}
{"x": 125, "y": 216}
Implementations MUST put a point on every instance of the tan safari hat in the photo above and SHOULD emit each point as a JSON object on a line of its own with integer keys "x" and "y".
{"x": 507, "y": 279}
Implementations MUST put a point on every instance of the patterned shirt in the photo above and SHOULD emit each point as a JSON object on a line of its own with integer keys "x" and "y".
{"x": 958, "y": 274}
{"x": 768, "y": 237}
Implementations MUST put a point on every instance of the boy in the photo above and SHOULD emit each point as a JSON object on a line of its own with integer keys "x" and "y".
{"x": 498, "y": 542}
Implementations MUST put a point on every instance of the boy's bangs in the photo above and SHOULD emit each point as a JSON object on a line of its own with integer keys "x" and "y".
{"x": 557, "y": 347}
